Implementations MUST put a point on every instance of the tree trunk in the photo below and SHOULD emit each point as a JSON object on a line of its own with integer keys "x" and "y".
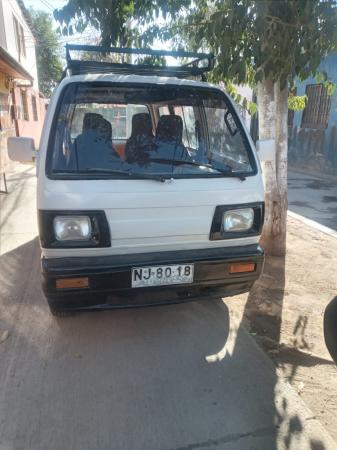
{"x": 267, "y": 128}
{"x": 273, "y": 118}
{"x": 280, "y": 200}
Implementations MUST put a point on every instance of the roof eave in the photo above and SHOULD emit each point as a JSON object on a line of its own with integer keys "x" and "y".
{"x": 13, "y": 68}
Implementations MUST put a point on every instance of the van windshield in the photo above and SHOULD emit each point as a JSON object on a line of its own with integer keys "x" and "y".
{"x": 114, "y": 131}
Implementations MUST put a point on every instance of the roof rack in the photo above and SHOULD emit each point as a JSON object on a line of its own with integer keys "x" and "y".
{"x": 192, "y": 68}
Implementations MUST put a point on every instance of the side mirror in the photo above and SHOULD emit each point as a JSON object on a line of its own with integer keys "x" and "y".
{"x": 21, "y": 149}
{"x": 266, "y": 149}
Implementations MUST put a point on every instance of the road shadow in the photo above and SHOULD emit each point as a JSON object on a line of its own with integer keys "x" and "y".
{"x": 183, "y": 376}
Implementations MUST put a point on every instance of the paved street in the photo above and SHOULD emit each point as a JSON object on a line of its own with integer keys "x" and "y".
{"x": 177, "y": 377}
{"x": 314, "y": 198}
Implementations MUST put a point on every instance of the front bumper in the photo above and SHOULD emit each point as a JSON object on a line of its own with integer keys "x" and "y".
{"x": 110, "y": 277}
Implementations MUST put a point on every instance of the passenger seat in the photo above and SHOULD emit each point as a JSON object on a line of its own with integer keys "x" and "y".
{"x": 169, "y": 138}
{"x": 140, "y": 142}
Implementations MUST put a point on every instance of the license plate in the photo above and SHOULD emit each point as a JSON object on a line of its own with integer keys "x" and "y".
{"x": 162, "y": 275}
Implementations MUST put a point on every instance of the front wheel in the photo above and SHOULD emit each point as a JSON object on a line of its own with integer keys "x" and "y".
{"x": 62, "y": 313}
{"x": 59, "y": 312}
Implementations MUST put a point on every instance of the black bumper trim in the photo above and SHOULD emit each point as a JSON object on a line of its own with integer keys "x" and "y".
{"x": 111, "y": 276}
{"x": 103, "y": 263}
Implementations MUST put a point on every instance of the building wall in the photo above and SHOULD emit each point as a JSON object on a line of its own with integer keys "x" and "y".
{"x": 31, "y": 127}
{"x": 316, "y": 148}
{"x": 2, "y": 27}
{"x": 17, "y": 119}
{"x": 11, "y": 9}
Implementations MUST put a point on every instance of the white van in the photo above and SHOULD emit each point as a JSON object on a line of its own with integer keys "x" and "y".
{"x": 149, "y": 187}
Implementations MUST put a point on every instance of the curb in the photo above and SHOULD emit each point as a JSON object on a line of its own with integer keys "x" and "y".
{"x": 313, "y": 174}
{"x": 315, "y": 225}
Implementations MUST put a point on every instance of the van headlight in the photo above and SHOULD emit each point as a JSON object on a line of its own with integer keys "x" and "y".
{"x": 238, "y": 220}
{"x": 72, "y": 228}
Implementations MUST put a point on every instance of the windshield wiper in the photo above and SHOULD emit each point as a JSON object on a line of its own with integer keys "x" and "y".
{"x": 229, "y": 172}
{"x": 129, "y": 173}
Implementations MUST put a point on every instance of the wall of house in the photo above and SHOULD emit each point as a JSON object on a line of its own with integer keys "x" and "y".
{"x": 2, "y": 27}
{"x": 17, "y": 118}
{"x": 315, "y": 148}
{"x": 33, "y": 125}
{"x": 11, "y": 9}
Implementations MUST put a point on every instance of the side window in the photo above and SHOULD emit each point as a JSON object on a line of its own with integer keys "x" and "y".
{"x": 163, "y": 110}
{"x": 189, "y": 131}
{"x": 225, "y": 139}
{"x": 189, "y": 124}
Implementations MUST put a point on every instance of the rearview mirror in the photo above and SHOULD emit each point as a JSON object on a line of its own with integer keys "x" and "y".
{"x": 21, "y": 149}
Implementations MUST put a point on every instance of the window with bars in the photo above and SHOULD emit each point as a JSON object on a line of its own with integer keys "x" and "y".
{"x": 34, "y": 108}
{"x": 316, "y": 112}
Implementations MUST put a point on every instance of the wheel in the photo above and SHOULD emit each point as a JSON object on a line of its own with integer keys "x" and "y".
{"x": 62, "y": 313}
{"x": 59, "y": 308}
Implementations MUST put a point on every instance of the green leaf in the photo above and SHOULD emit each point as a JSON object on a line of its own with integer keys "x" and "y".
{"x": 297, "y": 103}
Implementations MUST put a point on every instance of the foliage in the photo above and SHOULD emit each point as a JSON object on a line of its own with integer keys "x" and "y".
{"x": 113, "y": 18}
{"x": 253, "y": 39}
{"x": 152, "y": 60}
{"x": 260, "y": 39}
{"x": 297, "y": 102}
{"x": 47, "y": 49}
{"x": 250, "y": 106}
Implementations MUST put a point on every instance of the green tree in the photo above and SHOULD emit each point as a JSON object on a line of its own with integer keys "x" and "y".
{"x": 113, "y": 18}
{"x": 263, "y": 43}
{"x": 47, "y": 49}
{"x": 266, "y": 44}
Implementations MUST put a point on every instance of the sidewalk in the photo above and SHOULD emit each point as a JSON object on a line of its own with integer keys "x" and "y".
{"x": 284, "y": 312}
{"x": 15, "y": 229}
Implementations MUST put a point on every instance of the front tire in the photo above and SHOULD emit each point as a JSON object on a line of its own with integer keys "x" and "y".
{"x": 59, "y": 312}
{"x": 62, "y": 313}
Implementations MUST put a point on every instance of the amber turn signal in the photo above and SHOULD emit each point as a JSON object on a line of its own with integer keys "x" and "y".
{"x": 241, "y": 267}
{"x": 72, "y": 283}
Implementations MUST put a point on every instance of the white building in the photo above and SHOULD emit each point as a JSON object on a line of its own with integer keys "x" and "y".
{"x": 21, "y": 107}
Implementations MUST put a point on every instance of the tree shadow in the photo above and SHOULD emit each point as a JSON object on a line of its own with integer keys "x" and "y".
{"x": 263, "y": 315}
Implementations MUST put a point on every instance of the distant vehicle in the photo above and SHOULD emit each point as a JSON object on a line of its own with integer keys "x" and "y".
{"x": 149, "y": 186}
{"x": 330, "y": 328}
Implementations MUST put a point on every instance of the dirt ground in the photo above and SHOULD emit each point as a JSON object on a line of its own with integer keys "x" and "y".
{"x": 284, "y": 312}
